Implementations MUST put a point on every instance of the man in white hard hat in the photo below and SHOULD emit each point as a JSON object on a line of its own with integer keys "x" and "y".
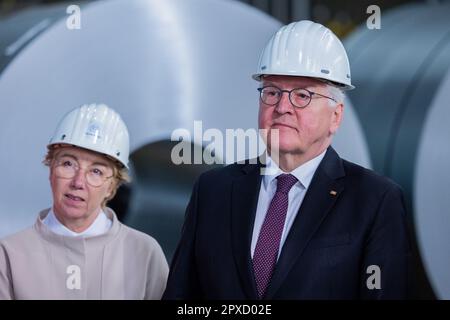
{"x": 77, "y": 249}
{"x": 321, "y": 227}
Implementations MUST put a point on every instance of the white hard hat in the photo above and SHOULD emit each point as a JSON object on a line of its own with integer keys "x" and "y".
{"x": 306, "y": 49}
{"x": 94, "y": 127}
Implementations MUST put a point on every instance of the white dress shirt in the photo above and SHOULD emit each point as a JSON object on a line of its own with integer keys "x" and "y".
{"x": 304, "y": 174}
{"x": 100, "y": 226}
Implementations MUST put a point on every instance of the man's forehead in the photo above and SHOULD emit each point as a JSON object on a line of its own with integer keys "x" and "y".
{"x": 294, "y": 81}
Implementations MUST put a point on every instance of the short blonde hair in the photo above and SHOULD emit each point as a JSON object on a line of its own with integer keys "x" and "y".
{"x": 120, "y": 173}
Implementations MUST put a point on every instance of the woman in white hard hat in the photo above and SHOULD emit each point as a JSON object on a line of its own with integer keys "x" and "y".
{"x": 77, "y": 249}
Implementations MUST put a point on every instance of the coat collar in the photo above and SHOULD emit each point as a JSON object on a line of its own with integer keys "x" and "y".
{"x": 244, "y": 200}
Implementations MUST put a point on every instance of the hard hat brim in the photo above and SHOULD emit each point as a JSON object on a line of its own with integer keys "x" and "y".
{"x": 56, "y": 145}
{"x": 343, "y": 86}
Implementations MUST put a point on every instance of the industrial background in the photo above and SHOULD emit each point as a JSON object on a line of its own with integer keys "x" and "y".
{"x": 162, "y": 64}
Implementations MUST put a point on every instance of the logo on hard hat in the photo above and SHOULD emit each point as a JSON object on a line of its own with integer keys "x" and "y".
{"x": 94, "y": 130}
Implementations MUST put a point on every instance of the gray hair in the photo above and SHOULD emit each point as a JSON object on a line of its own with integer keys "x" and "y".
{"x": 335, "y": 93}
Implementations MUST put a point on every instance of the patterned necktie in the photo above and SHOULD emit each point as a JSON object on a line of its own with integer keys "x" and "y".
{"x": 267, "y": 246}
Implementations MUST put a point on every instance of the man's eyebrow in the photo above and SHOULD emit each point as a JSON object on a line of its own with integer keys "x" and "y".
{"x": 269, "y": 83}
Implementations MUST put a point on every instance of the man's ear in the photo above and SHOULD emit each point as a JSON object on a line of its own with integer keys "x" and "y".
{"x": 337, "y": 117}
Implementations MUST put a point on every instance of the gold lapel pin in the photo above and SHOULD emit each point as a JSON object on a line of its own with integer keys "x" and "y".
{"x": 333, "y": 193}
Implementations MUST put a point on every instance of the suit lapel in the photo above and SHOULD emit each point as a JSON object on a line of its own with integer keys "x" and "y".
{"x": 315, "y": 206}
{"x": 244, "y": 198}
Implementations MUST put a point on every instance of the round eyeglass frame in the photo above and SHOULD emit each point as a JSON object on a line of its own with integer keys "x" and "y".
{"x": 309, "y": 93}
{"x": 59, "y": 163}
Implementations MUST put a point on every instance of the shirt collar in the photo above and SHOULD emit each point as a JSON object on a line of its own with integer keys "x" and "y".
{"x": 100, "y": 226}
{"x": 303, "y": 173}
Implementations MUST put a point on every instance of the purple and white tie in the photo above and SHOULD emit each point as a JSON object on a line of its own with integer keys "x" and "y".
{"x": 267, "y": 246}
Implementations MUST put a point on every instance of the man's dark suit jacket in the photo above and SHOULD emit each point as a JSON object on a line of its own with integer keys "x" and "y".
{"x": 335, "y": 237}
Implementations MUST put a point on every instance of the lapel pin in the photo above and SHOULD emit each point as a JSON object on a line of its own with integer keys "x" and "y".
{"x": 333, "y": 193}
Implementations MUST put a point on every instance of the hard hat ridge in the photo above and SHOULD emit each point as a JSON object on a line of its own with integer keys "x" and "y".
{"x": 94, "y": 127}
{"x": 306, "y": 49}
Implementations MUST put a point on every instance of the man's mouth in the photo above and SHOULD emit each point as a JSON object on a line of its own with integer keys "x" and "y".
{"x": 275, "y": 125}
{"x": 73, "y": 197}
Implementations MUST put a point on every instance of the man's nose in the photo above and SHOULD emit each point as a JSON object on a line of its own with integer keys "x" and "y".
{"x": 284, "y": 105}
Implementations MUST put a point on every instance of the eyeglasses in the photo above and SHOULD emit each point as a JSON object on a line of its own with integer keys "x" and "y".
{"x": 96, "y": 175}
{"x": 299, "y": 97}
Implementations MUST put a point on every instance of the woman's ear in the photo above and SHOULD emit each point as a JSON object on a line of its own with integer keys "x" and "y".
{"x": 112, "y": 187}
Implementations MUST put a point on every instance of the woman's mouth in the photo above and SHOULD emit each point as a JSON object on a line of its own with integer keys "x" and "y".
{"x": 73, "y": 197}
